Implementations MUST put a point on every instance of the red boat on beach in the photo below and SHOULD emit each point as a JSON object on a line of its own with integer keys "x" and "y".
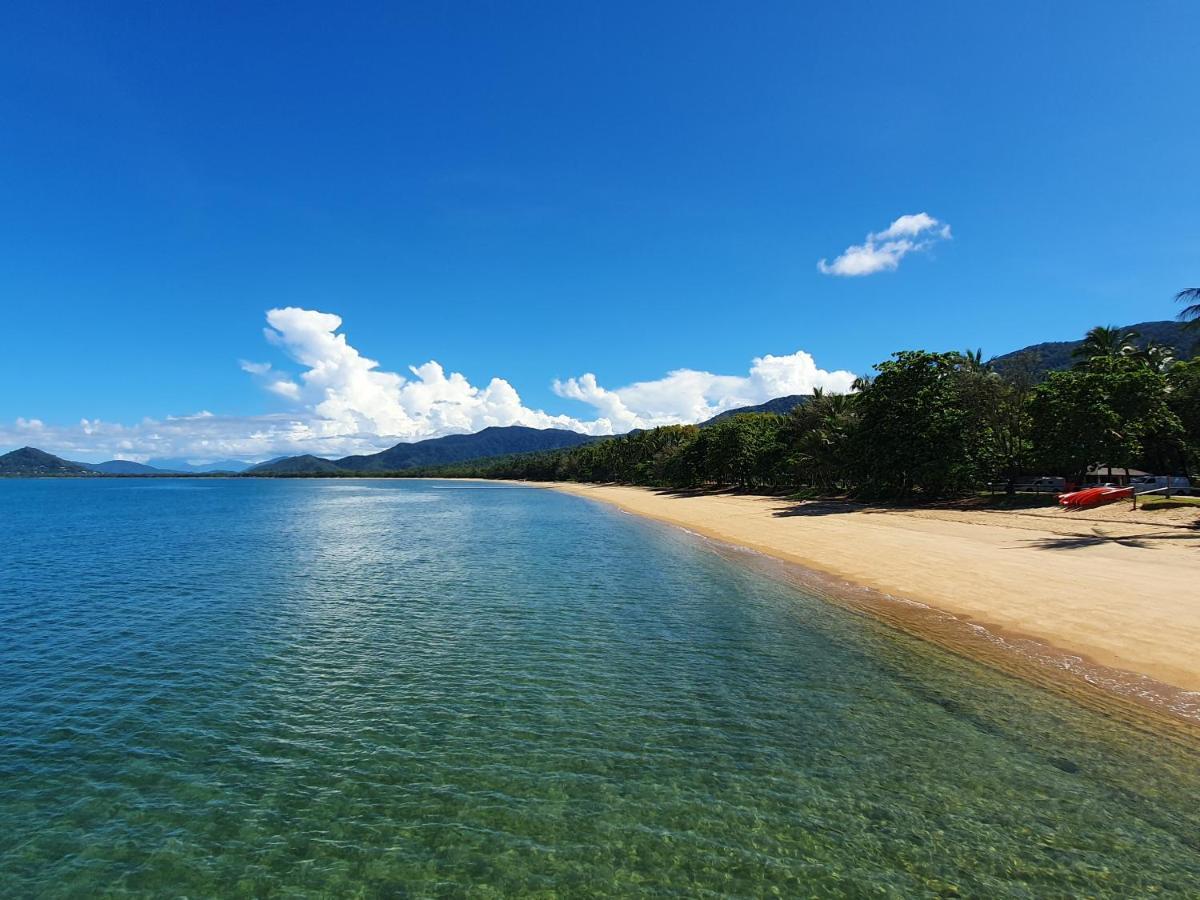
{"x": 1094, "y": 496}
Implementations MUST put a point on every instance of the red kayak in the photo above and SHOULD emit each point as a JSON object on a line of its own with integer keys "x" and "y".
{"x": 1095, "y": 496}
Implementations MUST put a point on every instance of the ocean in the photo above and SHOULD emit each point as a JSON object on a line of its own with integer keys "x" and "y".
{"x": 242, "y": 687}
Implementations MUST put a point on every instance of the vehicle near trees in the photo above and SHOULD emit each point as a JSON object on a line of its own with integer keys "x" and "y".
{"x": 1178, "y": 484}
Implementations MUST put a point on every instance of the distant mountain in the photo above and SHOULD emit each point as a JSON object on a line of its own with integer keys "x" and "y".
{"x": 296, "y": 465}
{"x": 458, "y": 447}
{"x": 1055, "y": 355}
{"x": 780, "y": 405}
{"x": 182, "y": 465}
{"x": 31, "y": 461}
{"x": 494, "y": 441}
{"x": 126, "y": 467}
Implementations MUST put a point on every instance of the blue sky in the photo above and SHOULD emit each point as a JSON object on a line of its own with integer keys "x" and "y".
{"x": 535, "y": 192}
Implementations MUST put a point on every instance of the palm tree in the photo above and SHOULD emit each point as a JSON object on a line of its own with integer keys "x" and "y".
{"x": 818, "y": 435}
{"x": 1104, "y": 344}
{"x": 1158, "y": 357}
{"x": 1190, "y": 315}
{"x": 861, "y": 383}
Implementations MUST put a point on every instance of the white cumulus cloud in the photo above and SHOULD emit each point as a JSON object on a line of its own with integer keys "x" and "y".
{"x": 342, "y": 402}
{"x": 688, "y": 395}
{"x": 349, "y": 394}
{"x": 883, "y": 250}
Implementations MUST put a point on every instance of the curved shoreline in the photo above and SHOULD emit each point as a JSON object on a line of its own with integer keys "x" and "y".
{"x": 1116, "y": 636}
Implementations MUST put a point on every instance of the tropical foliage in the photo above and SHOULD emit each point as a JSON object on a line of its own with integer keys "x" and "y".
{"x": 925, "y": 425}
{"x": 1191, "y": 312}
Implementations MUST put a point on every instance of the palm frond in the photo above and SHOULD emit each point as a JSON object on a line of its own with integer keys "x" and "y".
{"x": 1190, "y": 315}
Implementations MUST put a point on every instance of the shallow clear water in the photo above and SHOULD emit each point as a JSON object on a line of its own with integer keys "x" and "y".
{"x": 240, "y": 687}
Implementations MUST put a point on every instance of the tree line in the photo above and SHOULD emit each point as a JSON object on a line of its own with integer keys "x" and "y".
{"x": 924, "y": 425}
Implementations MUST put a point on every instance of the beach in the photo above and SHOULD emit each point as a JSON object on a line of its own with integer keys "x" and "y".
{"x": 1115, "y": 588}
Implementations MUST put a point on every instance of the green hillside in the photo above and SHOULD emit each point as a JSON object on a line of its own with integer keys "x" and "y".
{"x": 489, "y": 442}
{"x": 31, "y": 461}
{"x": 780, "y": 405}
{"x": 1054, "y": 356}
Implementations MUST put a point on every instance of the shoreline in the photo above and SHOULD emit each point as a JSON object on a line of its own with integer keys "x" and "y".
{"x": 1110, "y": 617}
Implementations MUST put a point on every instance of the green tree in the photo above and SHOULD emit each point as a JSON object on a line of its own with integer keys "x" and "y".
{"x": 1081, "y": 418}
{"x": 658, "y": 450}
{"x": 916, "y": 430}
{"x": 1155, "y": 356}
{"x": 1104, "y": 347}
{"x": 745, "y": 450}
{"x": 816, "y": 436}
{"x": 1184, "y": 382}
{"x": 973, "y": 360}
{"x": 999, "y": 405}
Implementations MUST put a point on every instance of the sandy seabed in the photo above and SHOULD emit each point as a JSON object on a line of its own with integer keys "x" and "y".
{"x": 1115, "y": 590}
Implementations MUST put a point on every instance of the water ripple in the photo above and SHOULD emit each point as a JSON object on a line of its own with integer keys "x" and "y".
{"x": 305, "y": 688}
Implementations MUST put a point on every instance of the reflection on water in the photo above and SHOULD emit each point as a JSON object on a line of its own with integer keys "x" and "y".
{"x": 311, "y": 687}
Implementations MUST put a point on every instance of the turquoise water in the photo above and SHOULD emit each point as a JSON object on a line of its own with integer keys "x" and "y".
{"x": 319, "y": 688}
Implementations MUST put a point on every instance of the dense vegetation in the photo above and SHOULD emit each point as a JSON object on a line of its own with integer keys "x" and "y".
{"x": 926, "y": 424}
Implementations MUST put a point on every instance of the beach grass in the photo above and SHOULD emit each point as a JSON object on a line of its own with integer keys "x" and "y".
{"x": 1169, "y": 503}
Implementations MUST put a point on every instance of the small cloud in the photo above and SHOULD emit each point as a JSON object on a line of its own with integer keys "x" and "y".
{"x": 273, "y": 380}
{"x": 883, "y": 250}
{"x": 285, "y": 388}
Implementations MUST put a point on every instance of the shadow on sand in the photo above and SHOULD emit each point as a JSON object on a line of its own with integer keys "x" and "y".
{"x": 1099, "y": 538}
{"x": 999, "y": 503}
{"x": 826, "y": 508}
{"x": 795, "y": 507}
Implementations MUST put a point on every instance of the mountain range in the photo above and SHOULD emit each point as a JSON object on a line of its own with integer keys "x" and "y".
{"x": 1053, "y": 356}
{"x": 505, "y": 441}
{"x": 183, "y": 466}
{"x": 780, "y": 405}
{"x": 494, "y": 441}
{"x": 126, "y": 467}
{"x": 32, "y": 461}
